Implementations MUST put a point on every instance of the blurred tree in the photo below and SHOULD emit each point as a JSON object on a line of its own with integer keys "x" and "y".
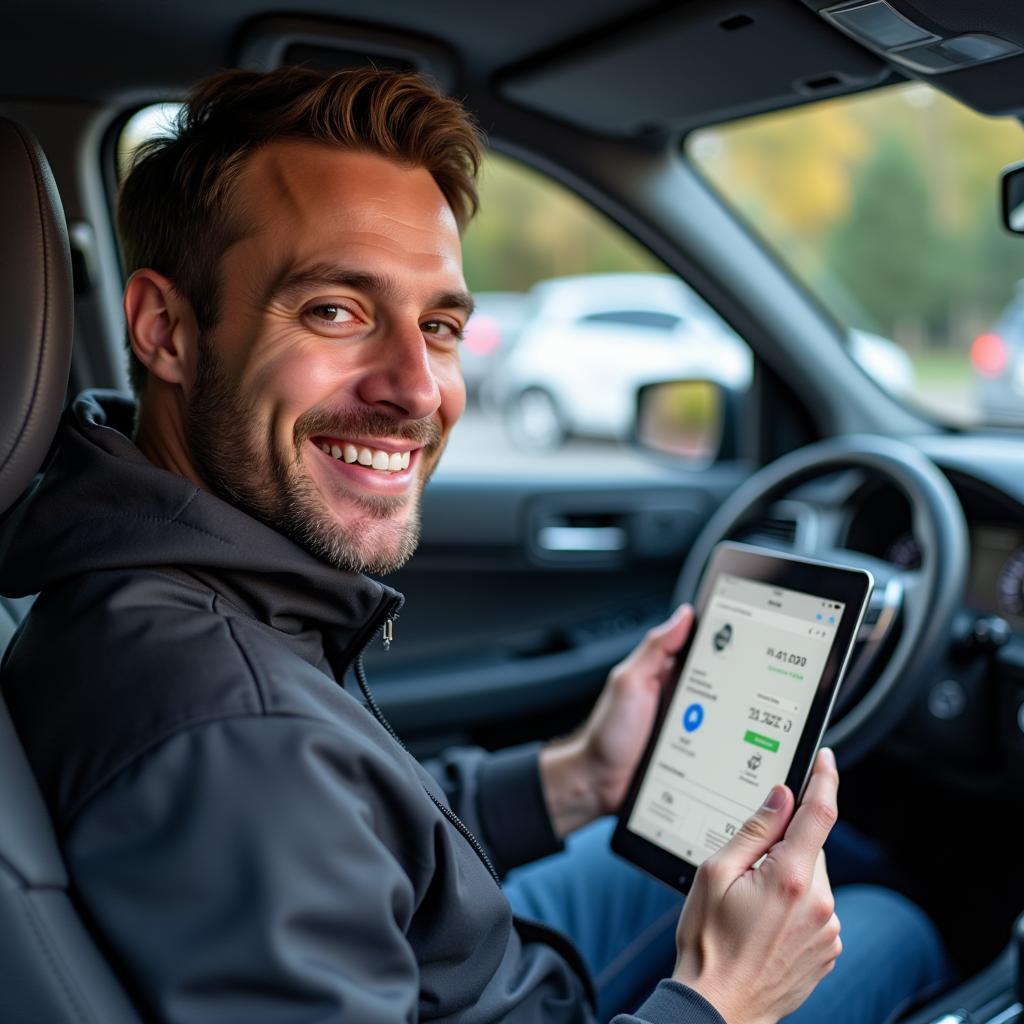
{"x": 884, "y": 203}
{"x": 789, "y": 171}
{"x": 883, "y": 250}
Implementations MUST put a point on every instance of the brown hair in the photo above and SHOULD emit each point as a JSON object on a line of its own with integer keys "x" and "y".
{"x": 173, "y": 211}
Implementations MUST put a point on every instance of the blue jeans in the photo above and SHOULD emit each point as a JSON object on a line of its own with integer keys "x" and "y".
{"x": 624, "y": 924}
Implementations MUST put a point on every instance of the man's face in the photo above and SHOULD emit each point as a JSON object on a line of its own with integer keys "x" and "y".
{"x": 328, "y": 387}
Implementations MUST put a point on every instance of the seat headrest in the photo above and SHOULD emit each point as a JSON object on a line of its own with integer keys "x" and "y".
{"x": 37, "y": 302}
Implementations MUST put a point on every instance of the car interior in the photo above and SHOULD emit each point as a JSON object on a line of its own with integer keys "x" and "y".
{"x": 538, "y": 571}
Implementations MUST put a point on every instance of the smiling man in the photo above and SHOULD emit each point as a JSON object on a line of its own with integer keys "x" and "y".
{"x": 322, "y": 391}
{"x": 247, "y": 838}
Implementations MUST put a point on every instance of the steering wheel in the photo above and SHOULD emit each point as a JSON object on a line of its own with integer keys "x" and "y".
{"x": 907, "y": 626}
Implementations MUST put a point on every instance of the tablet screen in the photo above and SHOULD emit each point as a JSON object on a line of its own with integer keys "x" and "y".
{"x": 733, "y": 724}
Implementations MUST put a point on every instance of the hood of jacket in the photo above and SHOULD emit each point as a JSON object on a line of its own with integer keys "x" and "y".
{"x": 102, "y": 505}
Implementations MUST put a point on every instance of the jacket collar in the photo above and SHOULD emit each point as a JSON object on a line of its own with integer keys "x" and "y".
{"x": 101, "y": 505}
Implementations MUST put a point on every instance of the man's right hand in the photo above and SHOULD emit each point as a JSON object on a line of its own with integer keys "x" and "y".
{"x": 754, "y": 941}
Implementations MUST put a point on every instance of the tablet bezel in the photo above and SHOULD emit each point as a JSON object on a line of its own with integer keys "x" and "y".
{"x": 851, "y": 586}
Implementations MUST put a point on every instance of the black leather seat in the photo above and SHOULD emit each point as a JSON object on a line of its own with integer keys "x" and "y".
{"x": 51, "y": 971}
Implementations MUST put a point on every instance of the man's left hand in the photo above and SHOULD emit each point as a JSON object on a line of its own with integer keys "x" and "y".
{"x": 587, "y": 774}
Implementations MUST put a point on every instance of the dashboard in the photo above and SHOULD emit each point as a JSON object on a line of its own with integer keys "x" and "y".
{"x": 880, "y": 525}
{"x": 996, "y": 582}
{"x": 955, "y": 764}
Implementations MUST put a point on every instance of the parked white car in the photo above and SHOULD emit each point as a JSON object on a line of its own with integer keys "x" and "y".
{"x": 590, "y": 342}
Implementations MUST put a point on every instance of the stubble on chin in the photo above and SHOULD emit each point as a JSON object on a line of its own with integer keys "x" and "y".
{"x": 379, "y": 538}
{"x": 246, "y": 470}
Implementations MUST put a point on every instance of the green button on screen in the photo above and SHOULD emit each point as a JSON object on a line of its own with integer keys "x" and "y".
{"x": 764, "y": 742}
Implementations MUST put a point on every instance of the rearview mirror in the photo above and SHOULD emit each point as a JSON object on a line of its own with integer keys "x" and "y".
{"x": 1013, "y": 198}
{"x": 682, "y": 418}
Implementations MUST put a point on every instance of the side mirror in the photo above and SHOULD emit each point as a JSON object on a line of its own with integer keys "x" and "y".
{"x": 1013, "y": 198}
{"x": 689, "y": 420}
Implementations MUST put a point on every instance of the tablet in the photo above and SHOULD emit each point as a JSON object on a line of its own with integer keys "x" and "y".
{"x": 754, "y": 687}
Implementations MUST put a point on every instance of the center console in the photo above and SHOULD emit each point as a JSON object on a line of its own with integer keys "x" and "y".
{"x": 995, "y": 996}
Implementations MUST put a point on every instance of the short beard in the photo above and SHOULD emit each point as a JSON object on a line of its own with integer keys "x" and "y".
{"x": 248, "y": 472}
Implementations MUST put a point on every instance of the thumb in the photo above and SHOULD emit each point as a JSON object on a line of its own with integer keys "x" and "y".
{"x": 665, "y": 640}
{"x": 672, "y": 633}
{"x": 758, "y": 834}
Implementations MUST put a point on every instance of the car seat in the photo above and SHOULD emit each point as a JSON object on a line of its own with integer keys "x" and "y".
{"x": 51, "y": 971}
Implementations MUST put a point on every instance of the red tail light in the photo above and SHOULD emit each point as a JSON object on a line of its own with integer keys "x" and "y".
{"x": 989, "y": 355}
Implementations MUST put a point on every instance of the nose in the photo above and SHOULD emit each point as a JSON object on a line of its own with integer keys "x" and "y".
{"x": 400, "y": 379}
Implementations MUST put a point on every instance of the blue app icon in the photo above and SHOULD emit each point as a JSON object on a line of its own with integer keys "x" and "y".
{"x": 692, "y": 717}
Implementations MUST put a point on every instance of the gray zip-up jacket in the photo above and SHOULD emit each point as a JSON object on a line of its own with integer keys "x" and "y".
{"x": 246, "y": 841}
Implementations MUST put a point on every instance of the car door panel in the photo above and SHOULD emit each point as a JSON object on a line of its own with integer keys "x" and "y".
{"x": 501, "y": 626}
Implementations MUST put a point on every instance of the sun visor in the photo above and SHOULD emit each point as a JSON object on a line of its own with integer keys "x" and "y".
{"x": 693, "y": 64}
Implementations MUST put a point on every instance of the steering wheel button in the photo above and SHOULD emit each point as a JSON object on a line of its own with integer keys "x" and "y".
{"x": 947, "y": 700}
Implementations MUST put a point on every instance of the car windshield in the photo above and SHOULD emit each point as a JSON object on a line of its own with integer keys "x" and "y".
{"x": 885, "y": 205}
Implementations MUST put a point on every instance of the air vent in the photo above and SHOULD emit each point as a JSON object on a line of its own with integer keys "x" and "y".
{"x": 781, "y": 529}
{"x": 777, "y": 528}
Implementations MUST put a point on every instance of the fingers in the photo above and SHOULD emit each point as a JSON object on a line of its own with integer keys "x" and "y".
{"x": 756, "y": 836}
{"x": 814, "y": 818}
{"x": 833, "y": 939}
{"x": 820, "y": 878}
{"x": 666, "y": 640}
{"x": 672, "y": 633}
{"x": 653, "y": 655}
{"x": 669, "y": 637}
{"x": 822, "y": 904}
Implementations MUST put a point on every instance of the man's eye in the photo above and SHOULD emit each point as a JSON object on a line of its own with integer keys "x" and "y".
{"x": 331, "y": 313}
{"x": 442, "y": 329}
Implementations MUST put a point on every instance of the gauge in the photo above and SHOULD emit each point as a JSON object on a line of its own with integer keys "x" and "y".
{"x": 1011, "y": 584}
{"x": 904, "y": 552}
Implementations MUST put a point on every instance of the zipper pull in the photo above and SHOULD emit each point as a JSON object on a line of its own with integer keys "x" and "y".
{"x": 388, "y": 633}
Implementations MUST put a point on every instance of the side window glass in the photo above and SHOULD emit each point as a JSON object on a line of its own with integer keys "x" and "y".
{"x": 573, "y": 317}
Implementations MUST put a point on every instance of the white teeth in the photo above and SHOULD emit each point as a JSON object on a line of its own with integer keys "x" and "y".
{"x": 389, "y": 462}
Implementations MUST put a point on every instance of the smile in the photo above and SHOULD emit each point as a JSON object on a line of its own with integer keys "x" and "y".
{"x": 364, "y": 455}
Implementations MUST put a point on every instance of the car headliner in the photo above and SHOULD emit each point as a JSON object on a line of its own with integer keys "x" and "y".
{"x": 673, "y": 65}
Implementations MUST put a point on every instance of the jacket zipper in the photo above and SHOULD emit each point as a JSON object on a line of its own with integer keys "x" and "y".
{"x": 559, "y": 942}
{"x": 387, "y": 634}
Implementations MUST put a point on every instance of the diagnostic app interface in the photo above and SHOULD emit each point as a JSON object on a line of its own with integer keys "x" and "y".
{"x": 735, "y": 720}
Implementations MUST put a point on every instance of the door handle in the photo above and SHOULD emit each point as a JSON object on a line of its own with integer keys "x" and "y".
{"x": 569, "y": 539}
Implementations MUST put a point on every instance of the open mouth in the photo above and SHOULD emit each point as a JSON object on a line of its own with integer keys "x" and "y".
{"x": 357, "y": 453}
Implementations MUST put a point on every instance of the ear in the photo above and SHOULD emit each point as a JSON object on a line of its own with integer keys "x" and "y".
{"x": 161, "y": 327}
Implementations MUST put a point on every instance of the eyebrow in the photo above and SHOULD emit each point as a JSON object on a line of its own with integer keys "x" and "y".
{"x": 290, "y": 281}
